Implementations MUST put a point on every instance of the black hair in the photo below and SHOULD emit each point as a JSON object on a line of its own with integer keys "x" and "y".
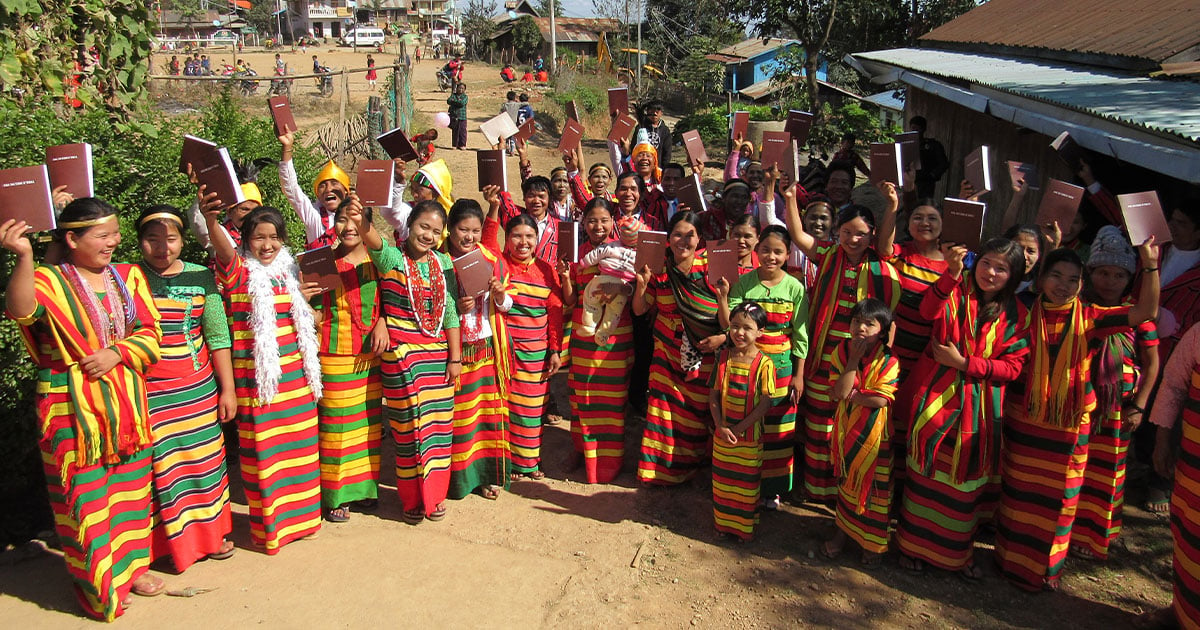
{"x": 462, "y": 210}
{"x": 161, "y": 208}
{"x": 1189, "y": 205}
{"x": 918, "y": 121}
{"x": 849, "y": 135}
{"x": 852, "y": 212}
{"x": 1028, "y": 230}
{"x": 686, "y": 216}
{"x": 512, "y": 96}
{"x": 753, "y": 310}
{"x": 263, "y": 214}
{"x": 675, "y": 165}
{"x": 747, "y": 219}
{"x": 82, "y": 209}
{"x": 1060, "y": 255}
{"x": 521, "y": 219}
{"x": 524, "y": 98}
{"x": 426, "y": 207}
{"x": 641, "y": 184}
{"x": 874, "y": 309}
{"x": 777, "y": 231}
{"x": 844, "y": 166}
{"x": 598, "y": 202}
{"x": 367, "y": 212}
{"x": 1005, "y": 298}
{"x": 651, "y": 106}
{"x": 535, "y": 184}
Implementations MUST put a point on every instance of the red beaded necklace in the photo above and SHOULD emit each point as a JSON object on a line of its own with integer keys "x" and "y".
{"x": 429, "y": 321}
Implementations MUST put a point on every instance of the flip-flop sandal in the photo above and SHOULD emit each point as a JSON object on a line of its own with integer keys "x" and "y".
{"x": 1158, "y": 501}
{"x": 227, "y": 551}
{"x": 438, "y": 514}
{"x": 414, "y": 517}
{"x": 148, "y": 586}
{"x": 339, "y": 514}
{"x": 537, "y": 474}
{"x": 489, "y": 492}
{"x": 971, "y": 572}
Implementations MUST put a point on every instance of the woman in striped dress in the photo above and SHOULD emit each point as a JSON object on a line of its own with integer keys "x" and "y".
{"x": 1047, "y": 424}
{"x": 739, "y": 398}
{"x": 191, "y": 391}
{"x": 675, "y": 443}
{"x": 92, "y": 331}
{"x": 785, "y": 341}
{"x": 1124, "y": 372}
{"x": 277, "y": 375}
{"x": 424, "y": 360}
{"x": 847, "y": 272}
{"x": 352, "y": 337}
{"x": 601, "y": 353}
{"x": 480, "y": 454}
{"x": 953, "y": 402}
{"x": 535, "y": 329}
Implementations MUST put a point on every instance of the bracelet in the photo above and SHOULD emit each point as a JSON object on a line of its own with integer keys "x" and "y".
{"x": 1133, "y": 407}
{"x": 1151, "y": 269}
{"x": 452, "y": 361}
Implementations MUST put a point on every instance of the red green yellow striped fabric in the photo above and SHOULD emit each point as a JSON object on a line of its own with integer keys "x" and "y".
{"x": 350, "y": 428}
{"x": 736, "y": 468}
{"x": 1185, "y": 509}
{"x": 535, "y": 330}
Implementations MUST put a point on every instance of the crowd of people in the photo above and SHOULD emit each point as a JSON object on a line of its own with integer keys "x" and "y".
{"x": 921, "y": 390}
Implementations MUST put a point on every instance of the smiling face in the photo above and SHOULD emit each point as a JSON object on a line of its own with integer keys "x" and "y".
{"x": 537, "y": 201}
{"x": 1029, "y": 247}
{"x": 1185, "y": 234}
{"x": 347, "y": 232}
{"x": 837, "y": 188}
{"x": 670, "y": 182}
{"x": 754, "y": 175}
{"x": 263, "y": 243}
{"x": 161, "y": 244}
{"x": 683, "y": 241}
{"x": 330, "y": 194}
{"x": 817, "y": 221}
{"x": 743, "y": 332}
{"x": 560, "y": 186}
{"x": 1062, "y": 282}
{"x": 772, "y": 253}
{"x": 734, "y": 201}
{"x": 465, "y": 235}
{"x": 746, "y": 237}
{"x": 854, "y": 237}
{"x": 598, "y": 224}
{"x": 991, "y": 273}
{"x": 93, "y": 248}
{"x": 1109, "y": 283}
{"x": 628, "y": 195}
{"x": 520, "y": 242}
{"x": 421, "y": 193}
{"x": 925, "y": 224}
{"x": 644, "y": 163}
{"x": 424, "y": 233}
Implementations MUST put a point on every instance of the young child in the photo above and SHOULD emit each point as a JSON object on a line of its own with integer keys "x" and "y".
{"x": 867, "y": 376}
{"x": 739, "y": 397}
{"x": 423, "y": 143}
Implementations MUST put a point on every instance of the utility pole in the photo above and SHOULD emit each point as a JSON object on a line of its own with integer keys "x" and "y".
{"x": 553, "y": 41}
{"x": 639, "y": 50}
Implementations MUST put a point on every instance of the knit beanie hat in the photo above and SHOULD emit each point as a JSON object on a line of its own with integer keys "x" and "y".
{"x": 627, "y": 230}
{"x": 1112, "y": 248}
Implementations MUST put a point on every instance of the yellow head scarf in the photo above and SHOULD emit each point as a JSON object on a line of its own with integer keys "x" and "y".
{"x": 438, "y": 176}
{"x": 334, "y": 172}
{"x": 251, "y": 193}
{"x": 646, "y": 147}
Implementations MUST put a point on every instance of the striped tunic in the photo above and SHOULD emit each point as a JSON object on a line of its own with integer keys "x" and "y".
{"x": 1185, "y": 500}
{"x": 191, "y": 485}
{"x": 95, "y": 437}
{"x": 547, "y": 245}
{"x": 954, "y": 419}
{"x": 350, "y": 412}
{"x": 785, "y": 341}
{"x": 675, "y": 443}
{"x": 1042, "y": 463}
{"x": 862, "y": 450}
{"x": 280, "y": 465}
{"x": 419, "y": 401}
{"x": 736, "y": 468}
{"x": 535, "y": 330}
{"x": 840, "y": 285}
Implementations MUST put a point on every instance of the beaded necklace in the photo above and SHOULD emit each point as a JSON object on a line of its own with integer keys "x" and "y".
{"x": 429, "y": 321}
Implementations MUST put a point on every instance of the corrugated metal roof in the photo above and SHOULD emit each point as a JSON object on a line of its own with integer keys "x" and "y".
{"x": 1171, "y": 107}
{"x": 751, "y": 48}
{"x": 886, "y": 99}
{"x": 577, "y": 29}
{"x": 1155, "y": 30}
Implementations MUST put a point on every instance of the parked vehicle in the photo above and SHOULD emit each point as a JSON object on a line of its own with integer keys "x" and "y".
{"x": 363, "y": 36}
{"x": 325, "y": 82}
{"x": 281, "y": 85}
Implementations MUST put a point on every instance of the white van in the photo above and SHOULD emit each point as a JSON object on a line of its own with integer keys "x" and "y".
{"x": 363, "y": 36}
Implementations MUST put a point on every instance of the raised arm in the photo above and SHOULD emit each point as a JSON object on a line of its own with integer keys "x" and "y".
{"x": 795, "y": 226}
{"x": 1147, "y": 305}
{"x": 885, "y": 236}
{"x": 21, "y": 297}
{"x": 309, "y": 215}
{"x": 222, "y": 244}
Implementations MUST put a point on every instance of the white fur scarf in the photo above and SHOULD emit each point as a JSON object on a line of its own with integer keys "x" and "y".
{"x": 260, "y": 285}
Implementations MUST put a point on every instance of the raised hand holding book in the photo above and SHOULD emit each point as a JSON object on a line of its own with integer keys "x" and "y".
{"x": 70, "y": 165}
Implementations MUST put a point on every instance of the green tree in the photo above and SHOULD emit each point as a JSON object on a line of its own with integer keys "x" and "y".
{"x": 260, "y": 17}
{"x": 543, "y": 8}
{"x": 477, "y": 25}
{"x": 527, "y": 38}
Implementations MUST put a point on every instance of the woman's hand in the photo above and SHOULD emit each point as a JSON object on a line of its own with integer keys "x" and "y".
{"x": 1164, "y": 460}
{"x": 61, "y": 197}
{"x": 210, "y": 206}
{"x": 888, "y": 190}
{"x": 555, "y": 361}
{"x": 796, "y": 391}
{"x": 1052, "y": 233}
{"x": 100, "y": 362}
{"x": 727, "y": 435}
{"x": 491, "y": 194}
{"x": 643, "y": 277}
{"x": 227, "y": 406}
{"x": 310, "y": 289}
{"x": 955, "y": 256}
{"x": 948, "y": 355}
{"x": 1148, "y": 253}
{"x": 466, "y": 304}
{"x": 1131, "y": 418}
{"x": 12, "y": 238}
{"x": 711, "y": 344}
{"x": 453, "y": 370}
{"x": 496, "y": 291}
{"x": 721, "y": 288}
{"x": 381, "y": 341}
{"x": 966, "y": 191}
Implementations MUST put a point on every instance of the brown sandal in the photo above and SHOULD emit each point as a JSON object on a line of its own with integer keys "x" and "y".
{"x": 226, "y": 552}
{"x": 438, "y": 514}
{"x": 148, "y": 586}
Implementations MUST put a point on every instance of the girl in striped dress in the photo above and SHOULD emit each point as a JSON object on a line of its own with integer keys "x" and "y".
{"x": 277, "y": 375}
{"x": 739, "y": 398}
{"x": 424, "y": 359}
{"x": 191, "y": 391}
{"x": 866, "y": 376}
{"x": 686, "y": 334}
{"x": 601, "y": 352}
{"x": 352, "y": 338}
{"x": 785, "y": 342}
{"x": 1047, "y": 425}
{"x": 480, "y": 453}
{"x": 535, "y": 329}
{"x": 953, "y": 402}
{"x": 848, "y": 271}
{"x": 1124, "y": 372}
{"x": 92, "y": 331}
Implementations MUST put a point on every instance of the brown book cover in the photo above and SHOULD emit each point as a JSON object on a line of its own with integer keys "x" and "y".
{"x": 652, "y": 251}
{"x": 799, "y": 123}
{"x": 498, "y": 128}
{"x": 774, "y": 145}
{"x": 885, "y": 163}
{"x": 790, "y": 163}
{"x": 493, "y": 168}
{"x": 573, "y": 111}
{"x": 738, "y": 125}
{"x": 572, "y": 135}
{"x": 910, "y": 149}
{"x": 962, "y": 222}
{"x": 320, "y": 265}
{"x": 70, "y": 165}
{"x": 474, "y": 272}
{"x": 526, "y": 129}
{"x": 622, "y": 128}
{"x": 375, "y": 181}
{"x": 693, "y": 144}
{"x": 1059, "y": 203}
{"x": 281, "y": 113}
{"x": 1068, "y": 150}
{"x": 1018, "y": 171}
{"x": 690, "y": 193}
{"x": 25, "y": 196}
{"x": 397, "y": 145}
{"x": 1144, "y": 217}
{"x": 723, "y": 261}
{"x": 216, "y": 173}
{"x": 568, "y": 241}
{"x": 618, "y": 101}
{"x": 977, "y": 169}
{"x": 195, "y": 151}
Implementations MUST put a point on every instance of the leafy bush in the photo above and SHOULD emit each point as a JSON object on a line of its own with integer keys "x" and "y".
{"x": 712, "y": 125}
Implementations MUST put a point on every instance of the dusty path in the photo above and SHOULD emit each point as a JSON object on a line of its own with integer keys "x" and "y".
{"x": 559, "y": 553}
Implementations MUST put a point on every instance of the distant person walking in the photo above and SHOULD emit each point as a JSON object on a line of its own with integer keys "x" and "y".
{"x": 458, "y": 115}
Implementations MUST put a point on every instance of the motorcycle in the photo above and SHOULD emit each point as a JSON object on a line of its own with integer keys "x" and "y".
{"x": 280, "y": 85}
{"x": 248, "y": 88}
{"x": 445, "y": 81}
{"x": 325, "y": 82}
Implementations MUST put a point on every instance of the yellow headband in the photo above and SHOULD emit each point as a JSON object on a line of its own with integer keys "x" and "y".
{"x": 334, "y": 172}
{"x": 87, "y": 223}
{"x": 599, "y": 165}
{"x": 160, "y": 215}
{"x": 251, "y": 192}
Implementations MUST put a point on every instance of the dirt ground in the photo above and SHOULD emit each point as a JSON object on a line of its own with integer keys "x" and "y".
{"x": 561, "y": 553}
